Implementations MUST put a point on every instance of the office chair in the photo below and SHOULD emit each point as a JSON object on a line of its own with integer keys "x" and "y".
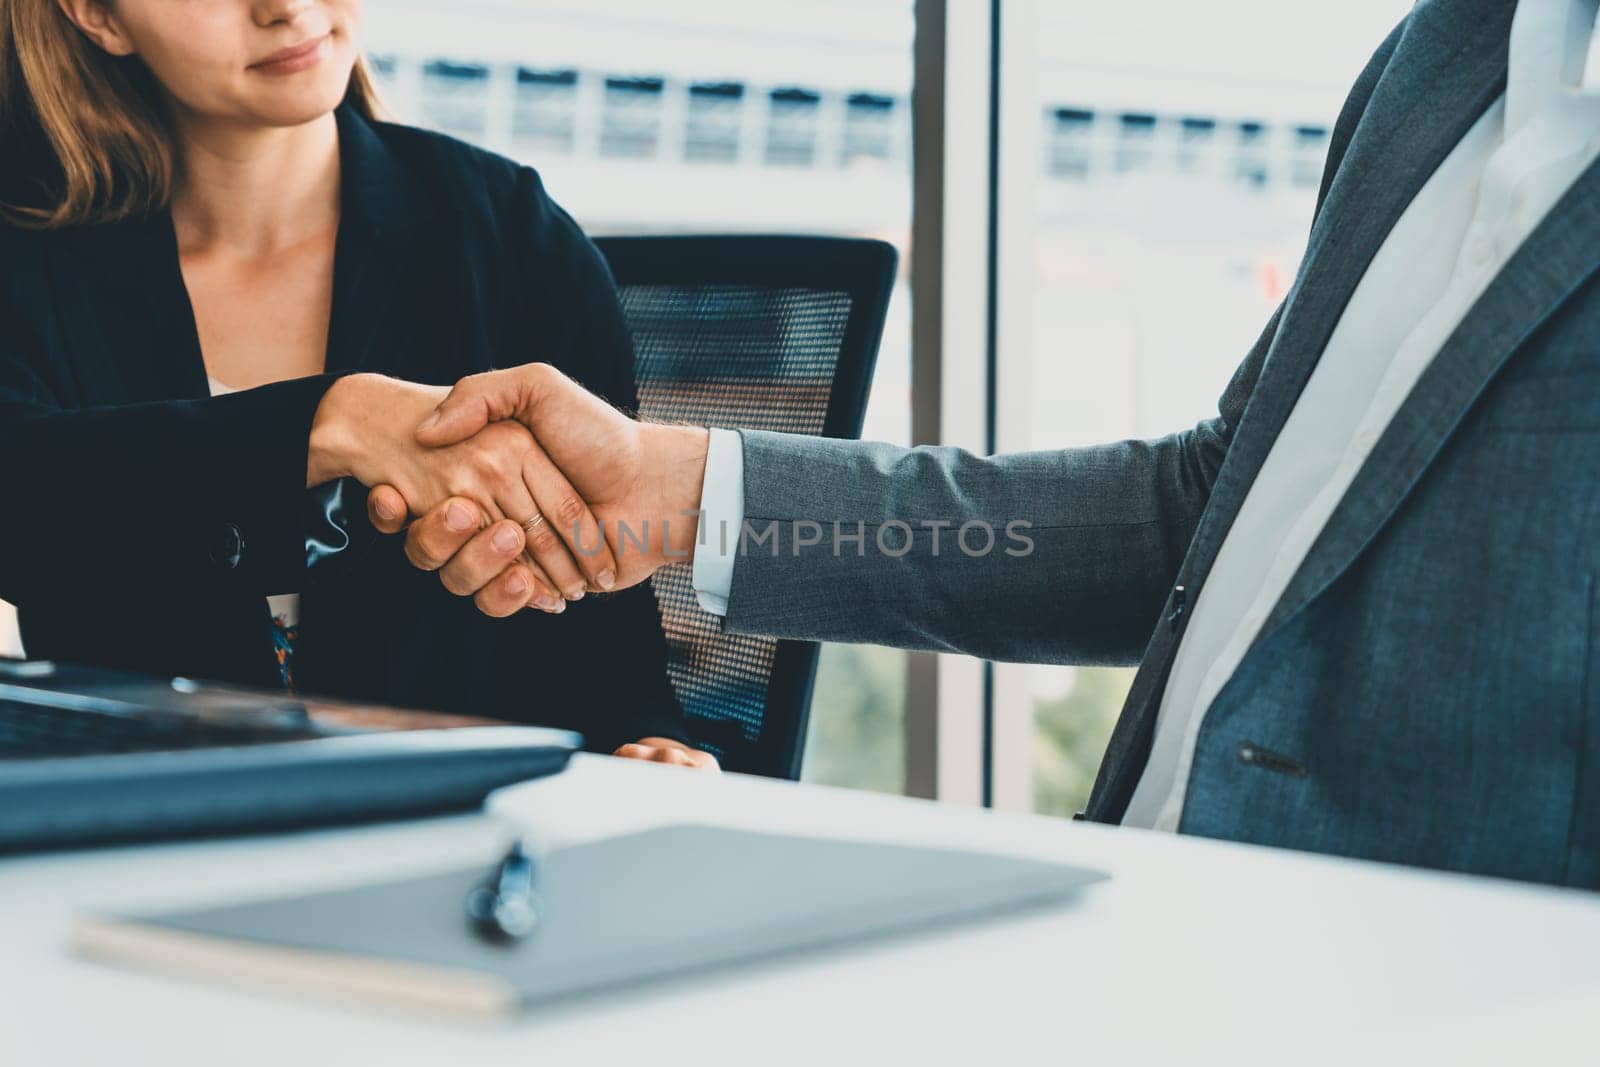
{"x": 766, "y": 333}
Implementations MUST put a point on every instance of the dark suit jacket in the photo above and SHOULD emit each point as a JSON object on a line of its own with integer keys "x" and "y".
{"x": 145, "y": 522}
{"x": 1429, "y": 683}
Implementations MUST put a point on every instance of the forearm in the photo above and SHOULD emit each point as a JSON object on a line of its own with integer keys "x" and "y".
{"x": 364, "y": 428}
{"x": 158, "y": 494}
{"x": 1067, "y": 556}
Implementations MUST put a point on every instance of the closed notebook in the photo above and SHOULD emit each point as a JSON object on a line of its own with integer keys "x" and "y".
{"x": 616, "y": 912}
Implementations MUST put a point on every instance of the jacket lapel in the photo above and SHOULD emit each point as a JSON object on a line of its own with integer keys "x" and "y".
{"x": 383, "y": 208}
{"x": 127, "y": 317}
{"x": 1558, "y": 257}
{"x": 1448, "y": 68}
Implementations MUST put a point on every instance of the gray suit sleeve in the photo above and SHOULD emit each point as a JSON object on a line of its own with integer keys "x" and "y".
{"x": 1067, "y": 556}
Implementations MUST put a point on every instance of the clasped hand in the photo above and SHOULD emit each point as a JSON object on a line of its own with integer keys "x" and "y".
{"x": 518, "y": 487}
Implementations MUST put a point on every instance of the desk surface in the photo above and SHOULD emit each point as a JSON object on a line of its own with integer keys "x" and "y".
{"x": 1193, "y": 948}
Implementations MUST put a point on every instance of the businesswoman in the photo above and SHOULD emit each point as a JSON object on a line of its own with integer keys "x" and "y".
{"x": 220, "y": 276}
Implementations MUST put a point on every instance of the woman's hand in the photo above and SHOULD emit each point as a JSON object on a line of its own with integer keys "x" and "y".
{"x": 665, "y": 750}
{"x": 365, "y": 429}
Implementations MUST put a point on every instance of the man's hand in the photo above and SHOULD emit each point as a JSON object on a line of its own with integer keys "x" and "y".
{"x": 641, "y": 482}
{"x": 500, "y": 478}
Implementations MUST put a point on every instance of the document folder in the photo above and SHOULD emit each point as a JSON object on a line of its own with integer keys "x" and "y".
{"x": 615, "y": 912}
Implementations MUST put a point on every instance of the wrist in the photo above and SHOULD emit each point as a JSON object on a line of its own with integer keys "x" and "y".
{"x": 331, "y": 450}
{"x": 683, "y": 450}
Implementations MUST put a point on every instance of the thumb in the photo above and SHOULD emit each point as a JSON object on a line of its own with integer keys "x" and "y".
{"x": 477, "y": 401}
{"x": 460, "y": 415}
{"x": 386, "y": 509}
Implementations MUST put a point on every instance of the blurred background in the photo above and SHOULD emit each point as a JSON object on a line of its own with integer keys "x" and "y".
{"x": 1180, "y": 147}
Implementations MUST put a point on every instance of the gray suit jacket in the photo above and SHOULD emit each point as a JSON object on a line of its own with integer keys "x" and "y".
{"x": 1431, "y": 678}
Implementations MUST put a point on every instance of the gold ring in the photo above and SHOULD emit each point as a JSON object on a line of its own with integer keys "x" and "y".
{"x": 533, "y": 523}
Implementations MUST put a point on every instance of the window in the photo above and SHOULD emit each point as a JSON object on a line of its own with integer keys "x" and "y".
{"x": 545, "y": 119}
{"x": 871, "y": 127}
{"x": 716, "y": 122}
{"x": 1069, "y": 144}
{"x": 1136, "y": 143}
{"x": 1310, "y": 149}
{"x": 631, "y": 123}
{"x": 793, "y": 127}
{"x": 1197, "y": 144}
{"x": 454, "y": 96}
{"x": 1252, "y": 159}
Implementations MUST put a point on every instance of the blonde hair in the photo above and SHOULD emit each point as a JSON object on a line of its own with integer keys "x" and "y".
{"x": 90, "y": 132}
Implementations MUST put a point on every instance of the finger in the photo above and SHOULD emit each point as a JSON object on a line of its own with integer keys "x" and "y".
{"x": 513, "y": 590}
{"x": 495, "y": 556}
{"x": 572, "y": 521}
{"x": 433, "y": 540}
{"x": 386, "y": 509}
{"x": 684, "y": 755}
{"x": 543, "y": 547}
{"x": 546, "y": 549}
{"x": 482, "y": 559}
{"x": 671, "y": 754}
{"x": 479, "y": 400}
{"x": 544, "y": 597}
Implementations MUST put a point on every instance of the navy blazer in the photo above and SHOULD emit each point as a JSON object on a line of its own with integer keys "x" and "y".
{"x": 147, "y": 521}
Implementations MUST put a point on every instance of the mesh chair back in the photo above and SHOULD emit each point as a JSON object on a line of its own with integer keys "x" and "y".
{"x": 765, "y": 333}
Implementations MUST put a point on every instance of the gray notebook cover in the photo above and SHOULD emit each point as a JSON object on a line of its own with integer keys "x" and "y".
{"x": 616, "y": 911}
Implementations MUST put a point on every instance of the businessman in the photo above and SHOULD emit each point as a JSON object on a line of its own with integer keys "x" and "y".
{"x": 1365, "y": 598}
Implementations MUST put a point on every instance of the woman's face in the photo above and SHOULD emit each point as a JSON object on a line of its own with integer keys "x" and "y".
{"x": 251, "y": 62}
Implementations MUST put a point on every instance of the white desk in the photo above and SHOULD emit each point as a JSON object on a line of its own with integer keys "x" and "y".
{"x": 1194, "y": 951}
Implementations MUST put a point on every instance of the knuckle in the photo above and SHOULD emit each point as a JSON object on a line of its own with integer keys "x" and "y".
{"x": 511, "y": 533}
{"x": 504, "y": 442}
{"x": 542, "y": 540}
{"x": 508, "y": 482}
{"x": 437, "y": 542}
{"x": 492, "y": 605}
{"x": 417, "y": 552}
{"x": 570, "y": 511}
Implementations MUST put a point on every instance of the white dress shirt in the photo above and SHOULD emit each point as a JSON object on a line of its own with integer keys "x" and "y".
{"x": 1484, "y": 200}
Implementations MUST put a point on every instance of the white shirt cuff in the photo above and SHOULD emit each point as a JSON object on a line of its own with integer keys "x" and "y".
{"x": 721, "y": 520}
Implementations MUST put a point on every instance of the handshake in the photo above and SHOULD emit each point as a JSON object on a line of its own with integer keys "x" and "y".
{"x": 527, "y": 491}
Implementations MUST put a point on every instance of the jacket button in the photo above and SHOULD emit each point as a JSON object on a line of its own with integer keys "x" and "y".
{"x": 227, "y": 549}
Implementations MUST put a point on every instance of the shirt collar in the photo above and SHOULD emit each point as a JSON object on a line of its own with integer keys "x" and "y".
{"x": 1551, "y": 41}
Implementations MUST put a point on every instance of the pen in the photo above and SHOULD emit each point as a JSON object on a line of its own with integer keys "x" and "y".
{"x": 506, "y": 908}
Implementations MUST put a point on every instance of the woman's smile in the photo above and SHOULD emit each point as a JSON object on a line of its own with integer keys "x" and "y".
{"x": 296, "y": 58}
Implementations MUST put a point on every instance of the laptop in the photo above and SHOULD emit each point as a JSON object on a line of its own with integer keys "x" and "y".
{"x": 91, "y": 756}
